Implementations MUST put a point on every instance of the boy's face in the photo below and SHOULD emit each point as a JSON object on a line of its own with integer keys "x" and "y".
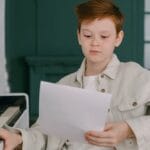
{"x": 98, "y": 40}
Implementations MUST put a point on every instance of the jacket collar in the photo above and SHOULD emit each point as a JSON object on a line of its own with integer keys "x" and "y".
{"x": 112, "y": 68}
{"x": 110, "y": 71}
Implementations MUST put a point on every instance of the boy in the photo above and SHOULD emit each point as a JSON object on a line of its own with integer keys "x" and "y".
{"x": 99, "y": 32}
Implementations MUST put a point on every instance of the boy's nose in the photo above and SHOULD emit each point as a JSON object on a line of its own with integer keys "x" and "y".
{"x": 95, "y": 41}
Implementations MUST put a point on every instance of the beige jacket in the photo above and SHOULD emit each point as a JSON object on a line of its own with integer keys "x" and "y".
{"x": 129, "y": 85}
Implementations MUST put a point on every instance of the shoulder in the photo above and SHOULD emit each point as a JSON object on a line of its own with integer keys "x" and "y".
{"x": 134, "y": 79}
{"x": 135, "y": 76}
{"x": 68, "y": 79}
{"x": 134, "y": 69}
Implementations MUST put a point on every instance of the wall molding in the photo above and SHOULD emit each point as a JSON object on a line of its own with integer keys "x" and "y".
{"x": 48, "y": 68}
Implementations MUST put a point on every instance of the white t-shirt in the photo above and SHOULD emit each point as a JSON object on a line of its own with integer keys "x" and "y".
{"x": 90, "y": 82}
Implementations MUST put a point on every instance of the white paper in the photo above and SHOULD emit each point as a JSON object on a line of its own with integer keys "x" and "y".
{"x": 68, "y": 112}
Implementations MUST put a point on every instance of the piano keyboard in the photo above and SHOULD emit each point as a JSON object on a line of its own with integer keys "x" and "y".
{"x": 8, "y": 115}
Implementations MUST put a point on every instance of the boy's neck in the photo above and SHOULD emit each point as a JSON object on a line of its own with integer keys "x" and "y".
{"x": 94, "y": 69}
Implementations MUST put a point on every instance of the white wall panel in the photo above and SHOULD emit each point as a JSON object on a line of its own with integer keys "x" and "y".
{"x": 147, "y": 55}
{"x": 3, "y": 75}
{"x": 147, "y": 35}
{"x": 147, "y": 28}
{"x": 147, "y": 5}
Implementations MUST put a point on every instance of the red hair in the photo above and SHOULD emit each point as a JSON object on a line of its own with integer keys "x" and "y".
{"x": 99, "y": 9}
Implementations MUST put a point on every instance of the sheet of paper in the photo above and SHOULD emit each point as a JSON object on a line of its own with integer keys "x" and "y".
{"x": 68, "y": 112}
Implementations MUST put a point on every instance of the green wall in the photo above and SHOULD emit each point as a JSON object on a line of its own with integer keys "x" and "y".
{"x": 39, "y": 31}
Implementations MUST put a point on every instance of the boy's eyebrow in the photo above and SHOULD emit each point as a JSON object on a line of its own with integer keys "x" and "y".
{"x": 103, "y": 32}
{"x": 84, "y": 29}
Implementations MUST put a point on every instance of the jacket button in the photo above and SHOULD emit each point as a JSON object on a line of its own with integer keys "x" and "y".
{"x": 103, "y": 90}
{"x": 102, "y": 76}
{"x": 134, "y": 104}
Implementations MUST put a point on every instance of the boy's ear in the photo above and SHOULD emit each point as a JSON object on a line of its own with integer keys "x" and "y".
{"x": 78, "y": 36}
{"x": 119, "y": 38}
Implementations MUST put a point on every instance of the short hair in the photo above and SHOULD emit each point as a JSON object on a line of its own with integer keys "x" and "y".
{"x": 99, "y": 9}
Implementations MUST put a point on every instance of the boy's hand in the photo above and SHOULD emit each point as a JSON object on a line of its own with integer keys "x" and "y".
{"x": 11, "y": 140}
{"x": 113, "y": 134}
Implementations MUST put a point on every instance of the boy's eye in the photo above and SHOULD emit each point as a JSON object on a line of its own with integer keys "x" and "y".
{"x": 87, "y": 36}
{"x": 104, "y": 36}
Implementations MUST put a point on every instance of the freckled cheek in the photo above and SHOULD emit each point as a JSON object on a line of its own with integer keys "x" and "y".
{"x": 109, "y": 47}
{"x": 85, "y": 47}
{"x": 84, "y": 51}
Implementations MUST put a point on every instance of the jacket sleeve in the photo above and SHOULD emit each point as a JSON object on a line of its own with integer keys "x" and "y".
{"x": 34, "y": 139}
{"x": 140, "y": 127}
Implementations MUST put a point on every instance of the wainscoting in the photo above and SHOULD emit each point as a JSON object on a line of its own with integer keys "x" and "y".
{"x": 50, "y": 68}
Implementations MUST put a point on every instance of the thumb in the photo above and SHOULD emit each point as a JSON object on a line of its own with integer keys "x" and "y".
{"x": 108, "y": 126}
